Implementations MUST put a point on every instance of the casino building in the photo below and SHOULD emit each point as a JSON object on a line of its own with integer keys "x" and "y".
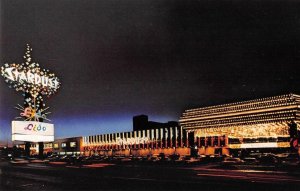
{"x": 268, "y": 124}
{"x": 147, "y": 138}
{"x": 265, "y": 125}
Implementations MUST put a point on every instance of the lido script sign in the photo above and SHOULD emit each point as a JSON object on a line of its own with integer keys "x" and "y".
{"x": 32, "y": 131}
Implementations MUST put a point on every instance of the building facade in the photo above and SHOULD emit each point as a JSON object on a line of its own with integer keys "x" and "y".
{"x": 63, "y": 146}
{"x": 168, "y": 140}
{"x": 67, "y": 146}
{"x": 267, "y": 123}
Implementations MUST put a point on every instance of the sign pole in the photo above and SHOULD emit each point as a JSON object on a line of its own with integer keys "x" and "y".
{"x": 27, "y": 148}
{"x": 27, "y": 143}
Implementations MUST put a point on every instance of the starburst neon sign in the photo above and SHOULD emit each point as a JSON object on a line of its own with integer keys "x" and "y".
{"x": 34, "y": 81}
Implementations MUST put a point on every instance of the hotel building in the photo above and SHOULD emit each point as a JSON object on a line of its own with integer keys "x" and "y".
{"x": 263, "y": 124}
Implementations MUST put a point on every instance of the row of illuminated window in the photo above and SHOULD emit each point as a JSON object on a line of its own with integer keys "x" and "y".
{"x": 149, "y": 133}
{"x": 258, "y": 140}
{"x": 243, "y": 106}
{"x": 259, "y": 113}
{"x": 246, "y": 118}
{"x": 289, "y": 97}
{"x": 239, "y": 108}
{"x": 264, "y": 121}
{"x": 211, "y": 141}
{"x": 72, "y": 144}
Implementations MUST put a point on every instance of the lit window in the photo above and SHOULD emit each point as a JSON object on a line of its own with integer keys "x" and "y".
{"x": 63, "y": 145}
{"x": 55, "y": 145}
{"x": 73, "y": 144}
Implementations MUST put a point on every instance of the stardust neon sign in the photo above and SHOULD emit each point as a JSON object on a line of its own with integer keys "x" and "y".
{"x": 128, "y": 141}
{"x": 34, "y": 82}
{"x": 17, "y": 76}
{"x": 29, "y": 77}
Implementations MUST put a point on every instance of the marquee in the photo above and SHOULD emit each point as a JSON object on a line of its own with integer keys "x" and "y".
{"x": 32, "y": 131}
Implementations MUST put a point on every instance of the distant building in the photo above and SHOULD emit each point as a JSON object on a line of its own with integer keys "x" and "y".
{"x": 63, "y": 146}
{"x": 141, "y": 122}
{"x": 67, "y": 146}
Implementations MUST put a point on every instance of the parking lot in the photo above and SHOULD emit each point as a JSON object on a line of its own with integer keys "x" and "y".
{"x": 158, "y": 172}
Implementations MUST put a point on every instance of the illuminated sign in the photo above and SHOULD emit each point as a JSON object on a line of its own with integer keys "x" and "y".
{"x": 283, "y": 144}
{"x": 32, "y": 114}
{"x": 128, "y": 141}
{"x": 259, "y": 145}
{"x": 234, "y": 146}
{"x": 32, "y": 131}
{"x": 29, "y": 77}
{"x": 19, "y": 76}
{"x": 34, "y": 82}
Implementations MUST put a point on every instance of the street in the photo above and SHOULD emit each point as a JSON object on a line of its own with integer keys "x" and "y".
{"x": 107, "y": 176}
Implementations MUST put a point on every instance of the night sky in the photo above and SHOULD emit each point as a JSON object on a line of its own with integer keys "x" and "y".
{"x": 121, "y": 58}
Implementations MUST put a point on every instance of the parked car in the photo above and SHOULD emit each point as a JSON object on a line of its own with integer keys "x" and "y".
{"x": 232, "y": 161}
{"x": 19, "y": 161}
{"x": 193, "y": 160}
{"x": 292, "y": 159}
{"x": 282, "y": 155}
{"x": 64, "y": 158}
{"x": 136, "y": 158}
{"x": 76, "y": 160}
{"x": 87, "y": 160}
{"x": 174, "y": 157}
{"x": 126, "y": 159}
{"x": 216, "y": 158}
{"x": 269, "y": 159}
{"x": 250, "y": 160}
{"x": 161, "y": 156}
{"x": 52, "y": 158}
{"x": 154, "y": 159}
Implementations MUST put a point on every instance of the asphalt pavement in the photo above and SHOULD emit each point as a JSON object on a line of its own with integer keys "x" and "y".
{"x": 139, "y": 176}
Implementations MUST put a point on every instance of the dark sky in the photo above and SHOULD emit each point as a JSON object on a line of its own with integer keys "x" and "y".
{"x": 121, "y": 58}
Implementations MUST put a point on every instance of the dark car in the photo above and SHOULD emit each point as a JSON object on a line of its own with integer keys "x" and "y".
{"x": 174, "y": 157}
{"x": 291, "y": 160}
{"x": 232, "y": 161}
{"x": 75, "y": 160}
{"x": 64, "y": 158}
{"x": 87, "y": 160}
{"x": 250, "y": 160}
{"x": 52, "y": 158}
{"x": 194, "y": 160}
{"x": 269, "y": 159}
